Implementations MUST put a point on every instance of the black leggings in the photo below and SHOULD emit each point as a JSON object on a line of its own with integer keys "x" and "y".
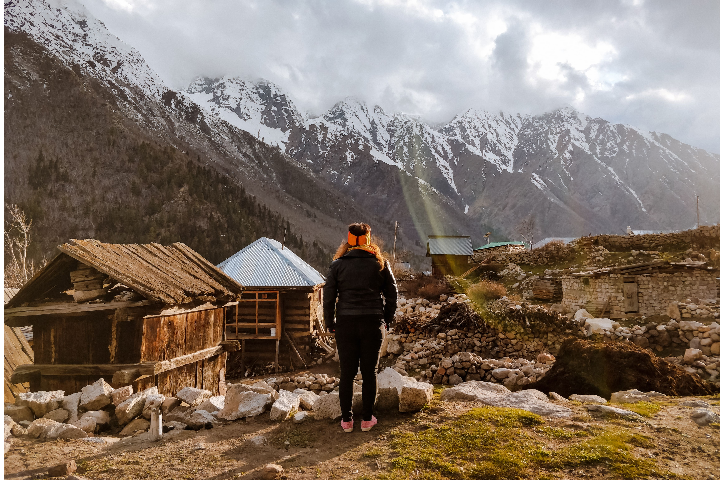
{"x": 359, "y": 339}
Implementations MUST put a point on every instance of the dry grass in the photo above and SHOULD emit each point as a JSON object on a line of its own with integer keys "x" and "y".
{"x": 486, "y": 290}
{"x": 426, "y": 287}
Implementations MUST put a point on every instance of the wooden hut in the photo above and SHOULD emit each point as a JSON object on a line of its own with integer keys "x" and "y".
{"x": 132, "y": 314}
{"x": 18, "y": 351}
{"x": 450, "y": 254}
{"x": 280, "y": 308}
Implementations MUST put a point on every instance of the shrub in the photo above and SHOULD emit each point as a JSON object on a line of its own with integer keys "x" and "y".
{"x": 486, "y": 290}
{"x": 426, "y": 287}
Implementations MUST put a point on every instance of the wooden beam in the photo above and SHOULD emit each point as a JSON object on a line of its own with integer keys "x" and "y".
{"x": 63, "y": 308}
{"x": 123, "y": 371}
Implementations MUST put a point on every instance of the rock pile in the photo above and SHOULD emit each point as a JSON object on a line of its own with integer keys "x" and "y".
{"x": 592, "y": 368}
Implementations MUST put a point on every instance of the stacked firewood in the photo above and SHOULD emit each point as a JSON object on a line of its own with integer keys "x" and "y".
{"x": 87, "y": 283}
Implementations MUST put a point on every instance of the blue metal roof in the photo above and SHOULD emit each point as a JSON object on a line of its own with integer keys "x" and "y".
{"x": 498, "y": 244}
{"x": 265, "y": 263}
{"x": 449, "y": 245}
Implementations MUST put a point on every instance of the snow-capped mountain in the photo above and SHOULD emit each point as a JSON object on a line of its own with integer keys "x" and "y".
{"x": 576, "y": 173}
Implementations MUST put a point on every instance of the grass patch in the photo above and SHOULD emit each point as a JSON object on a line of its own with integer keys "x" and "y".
{"x": 295, "y": 437}
{"x": 504, "y": 443}
{"x": 374, "y": 452}
{"x": 646, "y": 409}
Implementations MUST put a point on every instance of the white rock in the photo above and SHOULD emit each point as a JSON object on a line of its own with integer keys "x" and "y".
{"x": 598, "y": 325}
{"x": 300, "y": 417}
{"x": 46, "y": 429}
{"x": 67, "y": 432}
{"x": 633, "y": 396}
{"x": 153, "y": 400}
{"x": 286, "y": 404}
{"x": 198, "y": 419}
{"x": 390, "y": 378}
{"x": 96, "y": 396}
{"x": 691, "y": 355}
{"x": 502, "y": 373}
{"x": 100, "y": 417}
{"x": 307, "y": 398}
{"x": 557, "y": 397}
{"x": 119, "y": 395}
{"x": 415, "y": 395}
{"x": 588, "y": 399}
{"x": 213, "y": 404}
{"x": 240, "y": 403}
{"x": 497, "y": 395}
{"x": 19, "y": 413}
{"x": 613, "y": 410}
{"x": 40, "y": 402}
{"x": 582, "y": 314}
{"x": 133, "y": 406}
{"x": 87, "y": 424}
{"x": 59, "y": 415}
{"x": 328, "y": 406}
{"x": 704, "y": 417}
{"x": 193, "y": 396}
{"x": 137, "y": 425}
{"x": 71, "y": 403}
{"x": 257, "y": 387}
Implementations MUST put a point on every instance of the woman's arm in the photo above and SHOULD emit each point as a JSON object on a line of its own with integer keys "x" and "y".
{"x": 329, "y": 298}
{"x": 390, "y": 294}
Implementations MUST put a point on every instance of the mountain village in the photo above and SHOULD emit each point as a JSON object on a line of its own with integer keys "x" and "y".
{"x": 192, "y": 344}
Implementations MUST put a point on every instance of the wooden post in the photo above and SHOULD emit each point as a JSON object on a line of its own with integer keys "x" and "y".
{"x": 395, "y": 239}
{"x": 155, "y": 425}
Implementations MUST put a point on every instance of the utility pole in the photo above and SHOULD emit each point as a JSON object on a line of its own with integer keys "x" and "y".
{"x": 697, "y": 207}
{"x": 395, "y": 240}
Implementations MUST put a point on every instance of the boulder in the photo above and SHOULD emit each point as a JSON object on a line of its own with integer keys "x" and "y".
{"x": 271, "y": 471}
{"x": 499, "y": 396}
{"x": 257, "y": 387}
{"x": 63, "y": 469}
{"x": 307, "y": 398}
{"x": 12, "y": 428}
{"x": 199, "y": 419}
{"x": 170, "y": 404}
{"x": 455, "y": 379}
{"x": 173, "y": 425}
{"x": 66, "y": 431}
{"x": 557, "y": 397}
{"x": 96, "y": 396}
{"x": 588, "y": 399}
{"x": 286, "y": 404}
{"x": 606, "y": 409}
{"x": 71, "y": 403}
{"x": 300, "y": 417}
{"x": 328, "y": 406}
{"x": 40, "y": 402}
{"x": 87, "y": 424}
{"x": 59, "y": 415}
{"x": 19, "y": 413}
{"x": 545, "y": 358}
{"x": 153, "y": 400}
{"x": 137, "y": 425}
{"x": 119, "y": 395}
{"x": 213, "y": 404}
{"x": 101, "y": 419}
{"x": 634, "y": 396}
{"x": 193, "y": 396}
{"x": 599, "y": 325}
{"x": 133, "y": 406}
{"x": 415, "y": 395}
{"x": 581, "y": 315}
{"x": 692, "y": 355}
{"x": 240, "y": 403}
{"x": 673, "y": 311}
{"x": 695, "y": 403}
{"x": 704, "y": 417}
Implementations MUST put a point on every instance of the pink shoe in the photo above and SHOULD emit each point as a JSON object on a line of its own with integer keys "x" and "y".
{"x": 366, "y": 426}
{"x": 347, "y": 426}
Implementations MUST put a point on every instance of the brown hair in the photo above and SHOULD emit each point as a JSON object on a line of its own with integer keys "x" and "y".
{"x": 360, "y": 229}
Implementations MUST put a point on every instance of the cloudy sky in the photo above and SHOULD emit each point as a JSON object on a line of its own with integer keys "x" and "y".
{"x": 651, "y": 64}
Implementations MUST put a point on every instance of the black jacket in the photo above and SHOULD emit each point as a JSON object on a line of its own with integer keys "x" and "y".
{"x": 358, "y": 284}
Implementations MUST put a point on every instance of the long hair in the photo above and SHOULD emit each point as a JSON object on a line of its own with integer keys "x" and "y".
{"x": 360, "y": 229}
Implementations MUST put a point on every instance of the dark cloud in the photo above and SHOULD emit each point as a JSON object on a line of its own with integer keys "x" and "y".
{"x": 652, "y": 64}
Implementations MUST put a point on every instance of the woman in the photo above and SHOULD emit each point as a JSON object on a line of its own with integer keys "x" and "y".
{"x": 361, "y": 281}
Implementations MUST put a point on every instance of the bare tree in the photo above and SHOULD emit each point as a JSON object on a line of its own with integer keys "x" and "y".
{"x": 18, "y": 268}
{"x": 526, "y": 229}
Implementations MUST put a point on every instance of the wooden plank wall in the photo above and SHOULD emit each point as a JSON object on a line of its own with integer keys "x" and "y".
{"x": 299, "y": 310}
{"x": 127, "y": 337}
{"x": 17, "y": 352}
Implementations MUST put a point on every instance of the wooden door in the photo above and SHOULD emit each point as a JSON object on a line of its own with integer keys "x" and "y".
{"x": 630, "y": 290}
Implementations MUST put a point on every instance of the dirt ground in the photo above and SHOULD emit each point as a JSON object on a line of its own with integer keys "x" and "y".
{"x": 319, "y": 449}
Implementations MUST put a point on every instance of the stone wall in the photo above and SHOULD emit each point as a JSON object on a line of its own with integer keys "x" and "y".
{"x": 655, "y": 292}
{"x": 703, "y": 237}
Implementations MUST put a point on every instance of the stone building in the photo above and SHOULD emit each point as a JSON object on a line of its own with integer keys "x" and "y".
{"x": 643, "y": 289}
